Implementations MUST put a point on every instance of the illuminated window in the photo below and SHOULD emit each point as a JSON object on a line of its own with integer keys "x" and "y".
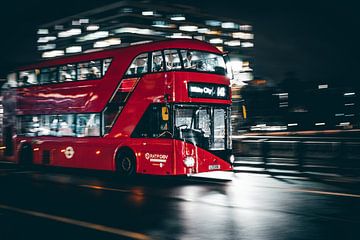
{"x": 59, "y": 125}
{"x": 88, "y": 125}
{"x": 172, "y": 60}
{"x": 203, "y": 61}
{"x": 48, "y": 125}
{"x": 67, "y": 73}
{"x": 47, "y": 75}
{"x": 27, "y": 125}
{"x": 89, "y": 70}
{"x": 66, "y": 125}
{"x": 106, "y": 65}
{"x": 29, "y": 77}
{"x": 157, "y": 63}
{"x": 138, "y": 66}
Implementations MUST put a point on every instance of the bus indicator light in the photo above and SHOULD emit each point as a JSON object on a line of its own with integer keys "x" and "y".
{"x": 69, "y": 152}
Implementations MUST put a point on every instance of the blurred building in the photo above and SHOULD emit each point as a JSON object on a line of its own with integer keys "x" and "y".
{"x": 132, "y": 22}
{"x": 295, "y": 105}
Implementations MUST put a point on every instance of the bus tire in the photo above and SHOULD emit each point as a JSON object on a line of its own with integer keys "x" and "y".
{"x": 126, "y": 163}
{"x": 26, "y": 156}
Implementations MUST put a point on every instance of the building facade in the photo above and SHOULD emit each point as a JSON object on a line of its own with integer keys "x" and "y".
{"x": 128, "y": 22}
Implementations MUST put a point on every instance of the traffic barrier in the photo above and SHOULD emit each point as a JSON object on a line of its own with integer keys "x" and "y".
{"x": 298, "y": 154}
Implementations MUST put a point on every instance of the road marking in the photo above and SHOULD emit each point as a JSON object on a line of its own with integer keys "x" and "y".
{"x": 105, "y": 188}
{"x": 93, "y": 226}
{"x": 325, "y": 193}
{"x": 7, "y": 162}
{"x": 24, "y": 172}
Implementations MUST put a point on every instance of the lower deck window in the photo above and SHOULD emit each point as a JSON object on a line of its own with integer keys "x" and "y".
{"x": 73, "y": 125}
{"x": 88, "y": 125}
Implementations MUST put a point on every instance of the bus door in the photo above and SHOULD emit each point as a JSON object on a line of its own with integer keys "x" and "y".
{"x": 155, "y": 140}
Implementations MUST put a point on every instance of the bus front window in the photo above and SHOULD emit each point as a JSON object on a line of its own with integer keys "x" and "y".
{"x": 203, "y": 61}
{"x": 204, "y": 126}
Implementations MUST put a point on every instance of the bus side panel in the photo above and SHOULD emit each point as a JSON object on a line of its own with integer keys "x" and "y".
{"x": 95, "y": 153}
{"x": 154, "y": 156}
{"x": 91, "y": 153}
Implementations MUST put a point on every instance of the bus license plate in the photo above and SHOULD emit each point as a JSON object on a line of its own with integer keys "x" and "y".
{"x": 214, "y": 167}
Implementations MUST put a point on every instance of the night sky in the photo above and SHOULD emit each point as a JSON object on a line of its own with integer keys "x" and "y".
{"x": 316, "y": 41}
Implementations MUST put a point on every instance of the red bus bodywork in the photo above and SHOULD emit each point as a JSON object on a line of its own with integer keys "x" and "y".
{"x": 91, "y": 96}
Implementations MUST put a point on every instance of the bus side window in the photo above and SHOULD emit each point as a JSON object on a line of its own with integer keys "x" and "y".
{"x": 66, "y": 126}
{"x": 47, "y": 75}
{"x": 172, "y": 60}
{"x": 138, "y": 66}
{"x": 157, "y": 64}
{"x": 67, "y": 73}
{"x": 89, "y": 70}
{"x": 29, "y": 77}
{"x": 106, "y": 65}
{"x": 88, "y": 125}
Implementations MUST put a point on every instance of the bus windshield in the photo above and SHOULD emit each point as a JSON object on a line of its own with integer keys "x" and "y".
{"x": 203, "y": 61}
{"x": 204, "y": 126}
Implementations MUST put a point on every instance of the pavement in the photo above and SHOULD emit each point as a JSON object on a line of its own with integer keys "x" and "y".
{"x": 53, "y": 203}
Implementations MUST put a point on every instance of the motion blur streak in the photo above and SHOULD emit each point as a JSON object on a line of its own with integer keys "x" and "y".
{"x": 102, "y": 228}
{"x": 105, "y": 188}
{"x": 325, "y": 193}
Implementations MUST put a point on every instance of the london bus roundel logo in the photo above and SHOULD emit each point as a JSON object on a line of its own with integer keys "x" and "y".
{"x": 69, "y": 152}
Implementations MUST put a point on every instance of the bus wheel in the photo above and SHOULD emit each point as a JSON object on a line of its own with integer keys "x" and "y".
{"x": 126, "y": 163}
{"x": 26, "y": 155}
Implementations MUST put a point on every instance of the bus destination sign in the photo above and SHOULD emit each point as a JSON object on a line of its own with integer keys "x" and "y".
{"x": 207, "y": 90}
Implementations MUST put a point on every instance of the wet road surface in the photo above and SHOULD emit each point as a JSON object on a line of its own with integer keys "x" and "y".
{"x": 68, "y": 204}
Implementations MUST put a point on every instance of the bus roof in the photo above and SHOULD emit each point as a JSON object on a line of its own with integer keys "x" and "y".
{"x": 134, "y": 50}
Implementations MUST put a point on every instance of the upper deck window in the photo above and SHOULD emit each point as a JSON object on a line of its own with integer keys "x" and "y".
{"x": 172, "y": 60}
{"x": 29, "y": 77}
{"x": 177, "y": 60}
{"x": 67, "y": 73}
{"x": 157, "y": 64}
{"x": 203, "y": 61}
{"x": 138, "y": 66}
{"x": 89, "y": 70}
{"x": 106, "y": 65}
{"x": 47, "y": 75}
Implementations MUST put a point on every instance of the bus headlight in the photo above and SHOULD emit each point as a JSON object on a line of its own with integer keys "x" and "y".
{"x": 232, "y": 158}
{"x": 189, "y": 161}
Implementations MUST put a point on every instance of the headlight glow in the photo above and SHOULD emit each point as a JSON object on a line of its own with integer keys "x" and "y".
{"x": 189, "y": 161}
{"x": 232, "y": 159}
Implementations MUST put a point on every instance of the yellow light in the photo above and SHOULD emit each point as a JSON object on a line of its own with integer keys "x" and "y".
{"x": 213, "y": 33}
{"x": 244, "y": 111}
{"x": 98, "y": 152}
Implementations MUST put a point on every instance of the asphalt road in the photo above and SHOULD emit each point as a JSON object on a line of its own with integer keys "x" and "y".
{"x": 63, "y": 204}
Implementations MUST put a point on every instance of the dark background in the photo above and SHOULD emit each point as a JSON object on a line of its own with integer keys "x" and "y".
{"x": 316, "y": 40}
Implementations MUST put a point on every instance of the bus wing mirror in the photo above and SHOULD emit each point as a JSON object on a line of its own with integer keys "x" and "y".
{"x": 165, "y": 113}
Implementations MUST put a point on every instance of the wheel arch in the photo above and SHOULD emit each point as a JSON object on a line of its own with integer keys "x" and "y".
{"x": 124, "y": 150}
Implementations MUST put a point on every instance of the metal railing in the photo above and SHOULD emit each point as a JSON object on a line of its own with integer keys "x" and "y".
{"x": 301, "y": 154}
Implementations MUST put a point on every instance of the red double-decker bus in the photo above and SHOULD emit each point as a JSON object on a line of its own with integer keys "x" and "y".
{"x": 159, "y": 108}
